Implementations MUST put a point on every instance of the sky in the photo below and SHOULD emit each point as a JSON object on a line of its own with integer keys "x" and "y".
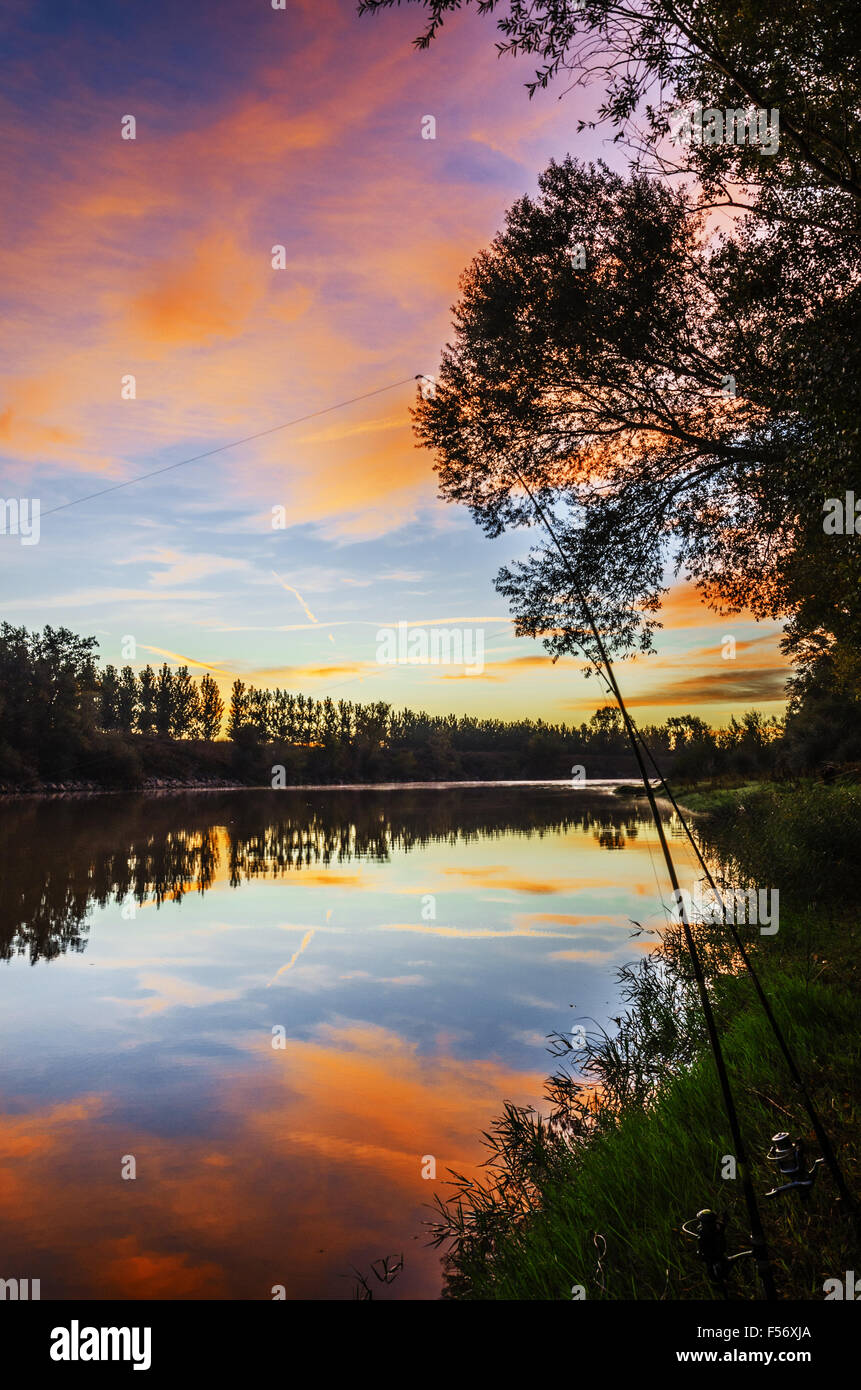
{"x": 278, "y": 560}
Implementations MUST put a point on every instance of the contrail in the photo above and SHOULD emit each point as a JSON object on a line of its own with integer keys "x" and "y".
{"x": 295, "y": 956}
{"x": 291, "y": 590}
{"x": 186, "y": 660}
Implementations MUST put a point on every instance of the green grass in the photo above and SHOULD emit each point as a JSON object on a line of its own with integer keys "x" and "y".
{"x": 597, "y": 1196}
{"x": 716, "y": 800}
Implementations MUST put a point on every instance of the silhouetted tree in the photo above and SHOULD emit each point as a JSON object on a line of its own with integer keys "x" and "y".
{"x": 237, "y": 718}
{"x": 164, "y": 700}
{"x": 147, "y": 699}
{"x": 281, "y": 715}
{"x": 126, "y": 700}
{"x": 773, "y": 305}
{"x": 50, "y": 698}
{"x": 185, "y": 705}
{"x": 108, "y": 697}
{"x": 798, "y": 59}
{"x": 211, "y": 707}
{"x": 610, "y": 390}
{"x": 259, "y": 704}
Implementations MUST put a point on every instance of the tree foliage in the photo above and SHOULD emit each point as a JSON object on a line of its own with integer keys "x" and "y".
{"x": 688, "y": 394}
{"x": 642, "y": 400}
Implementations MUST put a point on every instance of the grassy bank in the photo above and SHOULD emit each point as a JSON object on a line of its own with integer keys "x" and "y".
{"x": 595, "y": 1192}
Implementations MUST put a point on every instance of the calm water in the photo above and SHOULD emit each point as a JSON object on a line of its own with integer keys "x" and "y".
{"x": 152, "y": 944}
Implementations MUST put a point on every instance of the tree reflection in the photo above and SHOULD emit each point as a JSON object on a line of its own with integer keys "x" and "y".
{"x": 66, "y": 858}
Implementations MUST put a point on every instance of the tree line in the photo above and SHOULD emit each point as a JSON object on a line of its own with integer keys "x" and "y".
{"x": 51, "y": 684}
{"x": 165, "y": 702}
{"x": 63, "y": 715}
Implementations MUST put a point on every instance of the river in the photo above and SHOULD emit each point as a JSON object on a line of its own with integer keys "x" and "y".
{"x": 245, "y": 1034}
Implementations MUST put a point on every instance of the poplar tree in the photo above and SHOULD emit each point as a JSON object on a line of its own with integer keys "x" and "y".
{"x": 211, "y": 707}
{"x": 146, "y": 703}
{"x": 164, "y": 701}
{"x": 126, "y": 700}
{"x": 108, "y": 697}
{"x": 185, "y": 707}
{"x": 237, "y": 718}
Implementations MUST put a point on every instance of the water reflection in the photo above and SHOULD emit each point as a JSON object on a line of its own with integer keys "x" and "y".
{"x": 65, "y": 857}
{"x": 406, "y": 952}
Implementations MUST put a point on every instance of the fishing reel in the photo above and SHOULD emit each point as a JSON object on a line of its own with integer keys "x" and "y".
{"x": 710, "y": 1232}
{"x": 789, "y": 1156}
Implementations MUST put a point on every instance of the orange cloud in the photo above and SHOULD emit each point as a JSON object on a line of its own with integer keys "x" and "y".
{"x": 350, "y": 1111}
{"x": 185, "y": 660}
{"x": 23, "y": 431}
{"x": 209, "y": 292}
{"x": 760, "y": 686}
{"x": 683, "y": 606}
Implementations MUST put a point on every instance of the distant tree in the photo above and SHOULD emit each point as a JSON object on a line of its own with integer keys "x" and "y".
{"x": 64, "y": 670}
{"x": 126, "y": 700}
{"x": 211, "y": 707}
{"x": 50, "y": 696}
{"x": 290, "y": 708}
{"x": 685, "y": 729}
{"x": 185, "y": 712}
{"x": 164, "y": 701}
{"x": 146, "y": 700}
{"x": 315, "y": 722}
{"x": 329, "y": 723}
{"x": 372, "y": 722}
{"x": 345, "y": 723}
{"x": 259, "y": 708}
{"x": 48, "y": 683}
{"x": 237, "y": 718}
{"x": 607, "y": 719}
{"x": 301, "y": 719}
{"x": 15, "y": 685}
{"x": 109, "y": 689}
{"x": 281, "y": 716}
{"x": 607, "y": 729}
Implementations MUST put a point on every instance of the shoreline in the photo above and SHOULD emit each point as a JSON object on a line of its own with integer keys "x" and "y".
{"x": 170, "y": 786}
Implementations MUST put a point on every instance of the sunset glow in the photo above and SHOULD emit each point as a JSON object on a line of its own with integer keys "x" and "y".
{"x": 154, "y": 258}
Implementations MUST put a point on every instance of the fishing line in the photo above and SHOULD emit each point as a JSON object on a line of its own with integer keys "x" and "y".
{"x": 757, "y": 1234}
{"x": 234, "y": 444}
{"x": 821, "y": 1134}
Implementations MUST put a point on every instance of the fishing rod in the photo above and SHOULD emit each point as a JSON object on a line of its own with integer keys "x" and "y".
{"x": 757, "y": 1234}
{"x": 822, "y": 1137}
{"x": 821, "y": 1134}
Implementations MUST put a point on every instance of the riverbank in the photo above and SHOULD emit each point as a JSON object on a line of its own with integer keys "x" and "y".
{"x": 170, "y": 785}
{"x": 146, "y": 762}
{"x": 593, "y": 1194}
